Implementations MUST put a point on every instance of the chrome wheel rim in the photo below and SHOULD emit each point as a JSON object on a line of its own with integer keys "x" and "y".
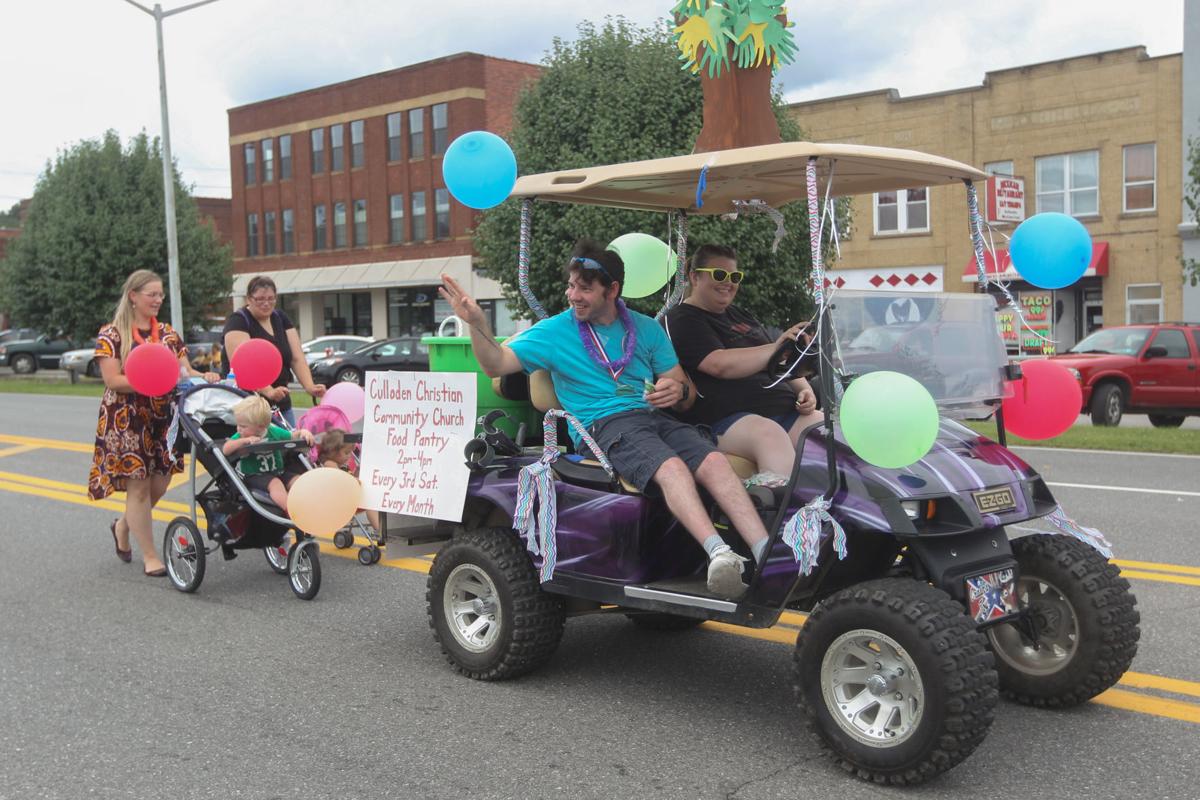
{"x": 872, "y": 688}
{"x": 1053, "y": 619}
{"x": 472, "y": 608}
{"x": 277, "y": 554}
{"x": 301, "y": 571}
{"x": 181, "y": 555}
{"x": 1113, "y": 408}
{"x": 349, "y": 376}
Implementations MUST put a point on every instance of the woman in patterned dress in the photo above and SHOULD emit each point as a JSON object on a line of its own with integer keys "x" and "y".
{"x": 131, "y": 437}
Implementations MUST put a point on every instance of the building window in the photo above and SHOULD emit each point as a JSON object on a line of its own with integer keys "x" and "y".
{"x": 319, "y": 241}
{"x": 289, "y": 232}
{"x": 1140, "y": 174}
{"x": 348, "y": 313}
{"x": 441, "y": 131}
{"x": 360, "y": 223}
{"x": 1069, "y": 183}
{"x": 285, "y": 157}
{"x": 998, "y": 168}
{"x": 251, "y": 168}
{"x": 356, "y": 144}
{"x": 251, "y": 235}
{"x": 269, "y": 233}
{"x": 411, "y": 311}
{"x": 903, "y": 211}
{"x": 441, "y": 214}
{"x": 416, "y": 133}
{"x": 419, "y": 233}
{"x": 396, "y": 214}
{"x": 337, "y": 147}
{"x": 339, "y": 224}
{"x": 318, "y": 150}
{"x": 393, "y": 126}
{"x": 268, "y": 151}
{"x": 1143, "y": 303}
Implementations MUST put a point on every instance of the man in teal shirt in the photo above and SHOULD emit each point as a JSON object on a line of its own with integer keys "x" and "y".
{"x": 613, "y": 368}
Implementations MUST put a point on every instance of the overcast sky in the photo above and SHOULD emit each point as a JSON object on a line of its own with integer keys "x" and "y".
{"x": 74, "y": 68}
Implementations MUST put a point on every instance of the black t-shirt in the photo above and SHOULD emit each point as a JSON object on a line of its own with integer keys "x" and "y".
{"x": 242, "y": 320}
{"x": 696, "y": 333}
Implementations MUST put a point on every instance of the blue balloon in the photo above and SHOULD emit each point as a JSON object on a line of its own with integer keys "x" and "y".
{"x": 1051, "y": 250}
{"x": 479, "y": 169}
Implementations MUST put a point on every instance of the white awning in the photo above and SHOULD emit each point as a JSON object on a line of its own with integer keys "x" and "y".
{"x": 375, "y": 275}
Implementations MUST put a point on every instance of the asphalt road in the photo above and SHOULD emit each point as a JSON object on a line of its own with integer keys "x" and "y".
{"x": 116, "y": 685}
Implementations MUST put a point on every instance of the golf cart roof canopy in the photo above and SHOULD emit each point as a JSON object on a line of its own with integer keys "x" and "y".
{"x": 773, "y": 173}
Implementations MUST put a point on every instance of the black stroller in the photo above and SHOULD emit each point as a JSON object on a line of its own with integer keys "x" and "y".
{"x": 238, "y": 517}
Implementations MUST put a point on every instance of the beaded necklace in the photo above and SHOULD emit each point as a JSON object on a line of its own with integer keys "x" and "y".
{"x": 591, "y": 342}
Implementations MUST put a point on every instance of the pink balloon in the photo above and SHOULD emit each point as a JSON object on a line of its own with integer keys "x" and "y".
{"x": 349, "y": 398}
{"x": 1044, "y": 402}
{"x": 256, "y": 364}
{"x": 152, "y": 369}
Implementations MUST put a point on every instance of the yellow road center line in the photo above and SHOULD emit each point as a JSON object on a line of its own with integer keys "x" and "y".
{"x": 1162, "y": 577}
{"x": 21, "y": 448}
{"x": 1147, "y": 704}
{"x": 1154, "y": 566}
{"x": 1141, "y": 680}
{"x": 53, "y": 444}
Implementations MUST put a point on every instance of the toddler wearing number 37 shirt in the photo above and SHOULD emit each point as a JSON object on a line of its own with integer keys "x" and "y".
{"x": 265, "y": 471}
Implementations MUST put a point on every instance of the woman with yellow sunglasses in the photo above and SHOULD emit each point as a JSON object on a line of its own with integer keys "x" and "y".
{"x": 725, "y": 350}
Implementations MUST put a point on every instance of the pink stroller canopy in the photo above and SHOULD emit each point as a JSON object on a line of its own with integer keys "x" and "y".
{"x": 320, "y": 419}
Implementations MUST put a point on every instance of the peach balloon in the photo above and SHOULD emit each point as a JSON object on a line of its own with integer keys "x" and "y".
{"x": 323, "y": 500}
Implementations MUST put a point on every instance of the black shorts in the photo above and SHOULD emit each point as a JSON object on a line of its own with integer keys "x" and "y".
{"x": 637, "y": 443}
{"x": 262, "y": 480}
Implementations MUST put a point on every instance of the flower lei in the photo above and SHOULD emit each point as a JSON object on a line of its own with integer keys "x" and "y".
{"x": 589, "y": 343}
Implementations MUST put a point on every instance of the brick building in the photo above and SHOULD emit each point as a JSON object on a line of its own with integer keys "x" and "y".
{"x": 1096, "y": 136}
{"x": 338, "y": 194}
{"x": 218, "y": 213}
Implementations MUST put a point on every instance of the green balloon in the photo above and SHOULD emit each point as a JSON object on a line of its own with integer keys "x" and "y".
{"x": 649, "y": 263}
{"x": 888, "y": 419}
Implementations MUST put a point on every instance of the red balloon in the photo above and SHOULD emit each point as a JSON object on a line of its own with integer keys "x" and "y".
{"x": 152, "y": 369}
{"x": 256, "y": 364}
{"x": 1044, "y": 402}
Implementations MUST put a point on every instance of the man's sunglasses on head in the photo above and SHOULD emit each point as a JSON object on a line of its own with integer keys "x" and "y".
{"x": 722, "y": 275}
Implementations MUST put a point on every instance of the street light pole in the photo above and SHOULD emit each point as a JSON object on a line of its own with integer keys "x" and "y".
{"x": 167, "y": 170}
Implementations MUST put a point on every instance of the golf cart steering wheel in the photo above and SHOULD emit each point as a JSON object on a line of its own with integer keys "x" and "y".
{"x": 785, "y": 356}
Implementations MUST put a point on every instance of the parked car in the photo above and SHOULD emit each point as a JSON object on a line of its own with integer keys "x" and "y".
{"x": 406, "y": 353}
{"x": 27, "y": 356}
{"x": 332, "y": 345}
{"x": 1138, "y": 369}
{"x": 81, "y": 361}
{"x": 13, "y": 334}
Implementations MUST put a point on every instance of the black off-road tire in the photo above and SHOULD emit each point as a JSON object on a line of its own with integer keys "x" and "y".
{"x": 1108, "y": 405}
{"x": 529, "y": 622}
{"x": 654, "y": 621}
{"x": 959, "y": 685}
{"x": 1106, "y": 623}
{"x": 1165, "y": 420}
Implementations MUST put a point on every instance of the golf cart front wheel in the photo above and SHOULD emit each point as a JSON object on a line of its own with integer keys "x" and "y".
{"x": 184, "y": 554}
{"x": 1080, "y": 628}
{"x": 487, "y": 608}
{"x": 304, "y": 569}
{"x": 895, "y": 680}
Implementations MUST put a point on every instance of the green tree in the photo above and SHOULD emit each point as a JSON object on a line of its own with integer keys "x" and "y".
{"x": 1191, "y": 267}
{"x": 96, "y": 216}
{"x": 12, "y": 217}
{"x": 617, "y": 94}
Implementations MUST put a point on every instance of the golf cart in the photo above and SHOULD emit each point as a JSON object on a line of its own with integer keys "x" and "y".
{"x": 921, "y": 609}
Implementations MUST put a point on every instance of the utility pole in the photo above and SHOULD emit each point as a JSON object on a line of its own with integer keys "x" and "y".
{"x": 168, "y": 173}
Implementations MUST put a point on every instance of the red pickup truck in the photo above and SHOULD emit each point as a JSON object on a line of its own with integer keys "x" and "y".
{"x": 1139, "y": 369}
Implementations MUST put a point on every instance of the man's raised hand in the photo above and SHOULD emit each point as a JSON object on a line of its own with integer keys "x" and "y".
{"x": 465, "y": 308}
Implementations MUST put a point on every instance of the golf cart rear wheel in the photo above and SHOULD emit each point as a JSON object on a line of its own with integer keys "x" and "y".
{"x": 183, "y": 554}
{"x": 895, "y": 680}
{"x": 304, "y": 569}
{"x": 654, "y": 621}
{"x": 277, "y": 555}
{"x": 487, "y": 609}
{"x": 1081, "y": 626}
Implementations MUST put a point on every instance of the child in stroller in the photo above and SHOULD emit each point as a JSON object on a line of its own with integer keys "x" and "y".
{"x": 239, "y": 516}
{"x": 265, "y": 471}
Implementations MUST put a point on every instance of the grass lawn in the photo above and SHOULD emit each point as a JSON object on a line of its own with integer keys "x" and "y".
{"x": 1090, "y": 437}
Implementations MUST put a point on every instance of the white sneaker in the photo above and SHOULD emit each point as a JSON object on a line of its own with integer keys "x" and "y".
{"x": 725, "y": 575}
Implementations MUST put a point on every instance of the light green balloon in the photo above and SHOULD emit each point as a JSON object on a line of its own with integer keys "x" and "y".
{"x": 888, "y": 419}
{"x": 649, "y": 263}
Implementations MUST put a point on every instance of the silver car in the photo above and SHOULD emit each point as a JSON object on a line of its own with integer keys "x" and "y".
{"x": 81, "y": 361}
{"x": 332, "y": 345}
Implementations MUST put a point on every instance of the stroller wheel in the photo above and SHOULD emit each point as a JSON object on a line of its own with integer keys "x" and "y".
{"x": 366, "y": 556}
{"x": 184, "y": 554}
{"x": 343, "y": 539}
{"x": 304, "y": 569}
{"x": 376, "y": 554}
{"x": 277, "y": 558}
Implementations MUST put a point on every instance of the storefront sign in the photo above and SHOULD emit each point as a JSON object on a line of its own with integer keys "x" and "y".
{"x": 1038, "y": 309}
{"x": 415, "y": 428}
{"x": 1005, "y": 199}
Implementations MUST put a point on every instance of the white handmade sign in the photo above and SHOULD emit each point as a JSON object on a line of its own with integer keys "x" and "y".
{"x": 414, "y": 431}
